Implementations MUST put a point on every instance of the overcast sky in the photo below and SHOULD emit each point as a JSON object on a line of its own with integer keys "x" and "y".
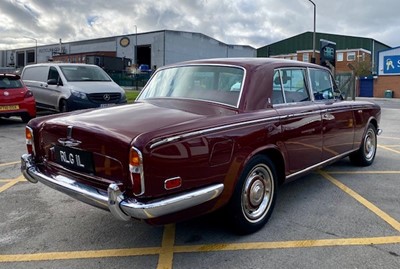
{"x": 241, "y": 22}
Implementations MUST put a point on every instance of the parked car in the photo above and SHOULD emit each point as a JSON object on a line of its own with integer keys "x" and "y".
{"x": 15, "y": 98}
{"x": 65, "y": 87}
{"x": 190, "y": 145}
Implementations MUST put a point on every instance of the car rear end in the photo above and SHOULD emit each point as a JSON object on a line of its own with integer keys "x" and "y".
{"x": 15, "y": 98}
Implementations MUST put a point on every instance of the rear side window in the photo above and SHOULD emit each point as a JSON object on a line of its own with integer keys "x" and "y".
{"x": 35, "y": 73}
{"x": 290, "y": 86}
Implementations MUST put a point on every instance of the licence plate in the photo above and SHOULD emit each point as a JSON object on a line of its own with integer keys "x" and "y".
{"x": 74, "y": 159}
{"x": 6, "y": 108}
{"x": 106, "y": 105}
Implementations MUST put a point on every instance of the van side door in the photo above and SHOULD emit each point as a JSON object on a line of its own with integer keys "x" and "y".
{"x": 53, "y": 87}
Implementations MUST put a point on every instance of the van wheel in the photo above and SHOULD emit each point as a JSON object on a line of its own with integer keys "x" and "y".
{"x": 63, "y": 106}
{"x": 254, "y": 197}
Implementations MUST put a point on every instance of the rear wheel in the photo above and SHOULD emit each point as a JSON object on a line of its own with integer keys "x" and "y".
{"x": 25, "y": 118}
{"x": 366, "y": 154}
{"x": 254, "y": 196}
{"x": 63, "y": 107}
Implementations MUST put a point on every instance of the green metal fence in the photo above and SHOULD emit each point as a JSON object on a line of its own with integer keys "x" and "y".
{"x": 130, "y": 80}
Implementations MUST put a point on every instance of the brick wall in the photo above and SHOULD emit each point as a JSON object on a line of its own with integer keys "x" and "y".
{"x": 383, "y": 83}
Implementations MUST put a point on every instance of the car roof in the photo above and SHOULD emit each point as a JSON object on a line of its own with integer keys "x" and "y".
{"x": 248, "y": 63}
{"x": 7, "y": 75}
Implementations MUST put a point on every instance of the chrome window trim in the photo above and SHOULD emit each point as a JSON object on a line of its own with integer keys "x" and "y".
{"x": 200, "y": 64}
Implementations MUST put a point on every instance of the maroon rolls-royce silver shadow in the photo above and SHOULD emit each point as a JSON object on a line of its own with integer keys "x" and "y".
{"x": 203, "y": 135}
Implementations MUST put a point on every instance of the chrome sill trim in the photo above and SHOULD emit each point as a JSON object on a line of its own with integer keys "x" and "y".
{"x": 341, "y": 156}
{"x": 113, "y": 199}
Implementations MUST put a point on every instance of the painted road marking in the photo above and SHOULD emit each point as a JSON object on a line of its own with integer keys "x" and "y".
{"x": 389, "y": 149}
{"x": 6, "y": 164}
{"x": 93, "y": 254}
{"x": 391, "y": 221}
{"x": 166, "y": 257}
{"x": 11, "y": 183}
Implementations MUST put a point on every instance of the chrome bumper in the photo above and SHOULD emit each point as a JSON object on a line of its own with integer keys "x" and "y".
{"x": 114, "y": 200}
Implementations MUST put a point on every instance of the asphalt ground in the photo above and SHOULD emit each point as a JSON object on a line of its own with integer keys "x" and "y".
{"x": 339, "y": 217}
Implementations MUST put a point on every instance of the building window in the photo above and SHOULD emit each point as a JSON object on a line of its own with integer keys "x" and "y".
{"x": 294, "y": 58}
{"x": 30, "y": 57}
{"x": 306, "y": 57}
{"x": 351, "y": 56}
{"x": 339, "y": 57}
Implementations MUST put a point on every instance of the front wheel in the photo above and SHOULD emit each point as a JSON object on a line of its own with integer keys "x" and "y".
{"x": 254, "y": 197}
{"x": 366, "y": 154}
{"x": 63, "y": 107}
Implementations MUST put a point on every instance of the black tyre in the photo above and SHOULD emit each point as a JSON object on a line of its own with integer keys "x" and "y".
{"x": 254, "y": 197}
{"x": 63, "y": 106}
{"x": 366, "y": 154}
{"x": 25, "y": 118}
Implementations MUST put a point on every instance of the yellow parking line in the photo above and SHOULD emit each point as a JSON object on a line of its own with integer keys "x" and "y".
{"x": 170, "y": 249}
{"x": 389, "y": 137}
{"x": 391, "y": 221}
{"x": 290, "y": 244}
{"x": 11, "y": 183}
{"x": 167, "y": 249}
{"x": 363, "y": 172}
{"x": 90, "y": 254}
{"x": 6, "y": 164}
{"x": 389, "y": 149}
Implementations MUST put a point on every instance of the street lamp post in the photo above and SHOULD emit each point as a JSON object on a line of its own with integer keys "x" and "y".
{"x": 315, "y": 22}
{"x": 136, "y": 61}
{"x": 35, "y": 47}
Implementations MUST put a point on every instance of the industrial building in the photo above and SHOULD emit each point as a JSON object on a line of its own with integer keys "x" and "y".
{"x": 154, "y": 49}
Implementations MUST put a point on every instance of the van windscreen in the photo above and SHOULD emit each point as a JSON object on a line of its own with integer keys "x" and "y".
{"x": 84, "y": 73}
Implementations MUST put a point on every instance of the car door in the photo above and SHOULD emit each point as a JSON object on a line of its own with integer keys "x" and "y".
{"x": 300, "y": 119}
{"x": 337, "y": 115}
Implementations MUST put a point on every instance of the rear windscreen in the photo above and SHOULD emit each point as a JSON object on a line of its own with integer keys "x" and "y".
{"x": 10, "y": 82}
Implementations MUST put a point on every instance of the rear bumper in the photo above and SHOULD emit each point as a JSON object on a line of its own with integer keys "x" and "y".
{"x": 121, "y": 207}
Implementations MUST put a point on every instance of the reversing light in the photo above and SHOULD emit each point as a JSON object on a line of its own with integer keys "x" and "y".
{"x": 136, "y": 171}
{"x": 29, "y": 140}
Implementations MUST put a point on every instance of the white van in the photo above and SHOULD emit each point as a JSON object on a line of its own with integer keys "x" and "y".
{"x": 65, "y": 87}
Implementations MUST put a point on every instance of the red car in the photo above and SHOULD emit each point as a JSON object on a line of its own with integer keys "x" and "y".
{"x": 15, "y": 98}
{"x": 204, "y": 135}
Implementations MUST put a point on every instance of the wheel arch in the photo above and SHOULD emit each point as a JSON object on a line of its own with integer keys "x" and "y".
{"x": 275, "y": 155}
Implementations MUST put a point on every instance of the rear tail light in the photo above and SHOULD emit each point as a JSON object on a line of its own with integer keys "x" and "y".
{"x": 29, "y": 140}
{"x": 28, "y": 94}
{"x": 136, "y": 171}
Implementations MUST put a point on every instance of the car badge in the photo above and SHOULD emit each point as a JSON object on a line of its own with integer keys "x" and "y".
{"x": 6, "y": 93}
{"x": 106, "y": 97}
{"x": 69, "y": 141}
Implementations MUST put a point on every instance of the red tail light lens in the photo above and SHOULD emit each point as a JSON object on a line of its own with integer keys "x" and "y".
{"x": 28, "y": 94}
{"x": 29, "y": 140}
{"x": 136, "y": 171}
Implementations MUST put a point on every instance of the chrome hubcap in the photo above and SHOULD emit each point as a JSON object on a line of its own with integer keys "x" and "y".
{"x": 257, "y": 193}
{"x": 370, "y": 145}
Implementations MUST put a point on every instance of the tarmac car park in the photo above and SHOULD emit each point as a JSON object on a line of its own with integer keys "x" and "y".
{"x": 339, "y": 217}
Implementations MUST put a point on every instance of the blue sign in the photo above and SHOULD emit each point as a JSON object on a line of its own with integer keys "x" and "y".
{"x": 391, "y": 64}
